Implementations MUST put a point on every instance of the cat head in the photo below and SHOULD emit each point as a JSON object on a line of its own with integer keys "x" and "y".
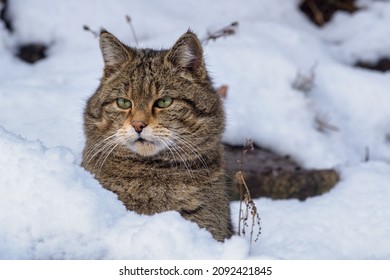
{"x": 153, "y": 103}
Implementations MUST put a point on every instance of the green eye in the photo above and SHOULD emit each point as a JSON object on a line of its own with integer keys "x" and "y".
{"x": 164, "y": 102}
{"x": 123, "y": 103}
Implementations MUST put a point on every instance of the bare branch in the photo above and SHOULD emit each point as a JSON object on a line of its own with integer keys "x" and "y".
{"x": 88, "y": 29}
{"x": 129, "y": 21}
{"x": 246, "y": 200}
{"x": 226, "y": 31}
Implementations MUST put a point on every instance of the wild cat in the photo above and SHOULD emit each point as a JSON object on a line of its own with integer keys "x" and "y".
{"x": 153, "y": 129}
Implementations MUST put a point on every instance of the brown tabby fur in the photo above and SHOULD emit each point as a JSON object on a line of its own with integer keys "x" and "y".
{"x": 178, "y": 164}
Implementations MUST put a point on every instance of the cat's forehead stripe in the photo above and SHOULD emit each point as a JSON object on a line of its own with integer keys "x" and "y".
{"x": 144, "y": 76}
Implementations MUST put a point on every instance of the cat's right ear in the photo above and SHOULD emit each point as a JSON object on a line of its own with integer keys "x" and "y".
{"x": 114, "y": 52}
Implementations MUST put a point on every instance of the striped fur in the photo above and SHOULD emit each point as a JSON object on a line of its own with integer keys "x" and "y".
{"x": 176, "y": 162}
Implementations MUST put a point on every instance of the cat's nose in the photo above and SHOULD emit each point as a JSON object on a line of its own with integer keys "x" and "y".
{"x": 138, "y": 126}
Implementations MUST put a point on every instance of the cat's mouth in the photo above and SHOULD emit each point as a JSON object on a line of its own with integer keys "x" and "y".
{"x": 144, "y": 147}
{"x": 141, "y": 140}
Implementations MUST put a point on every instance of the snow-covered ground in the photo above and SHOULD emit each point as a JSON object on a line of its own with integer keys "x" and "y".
{"x": 51, "y": 208}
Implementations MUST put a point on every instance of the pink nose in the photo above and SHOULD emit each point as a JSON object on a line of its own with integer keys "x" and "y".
{"x": 138, "y": 126}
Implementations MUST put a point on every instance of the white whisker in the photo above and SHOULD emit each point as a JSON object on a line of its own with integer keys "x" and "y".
{"x": 192, "y": 149}
{"x": 98, "y": 147}
{"x": 102, "y": 150}
{"x": 166, "y": 145}
{"x": 173, "y": 149}
{"x": 114, "y": 145}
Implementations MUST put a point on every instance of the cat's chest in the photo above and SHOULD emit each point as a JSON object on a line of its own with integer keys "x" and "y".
{"x": 149, "y": 191}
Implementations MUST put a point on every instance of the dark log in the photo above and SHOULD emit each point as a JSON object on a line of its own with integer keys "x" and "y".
{"x": 278, "y": 177}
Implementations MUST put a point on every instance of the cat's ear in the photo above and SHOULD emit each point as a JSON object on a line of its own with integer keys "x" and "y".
{"x": 114, "y": 52}
{"x": 187, "y": 53}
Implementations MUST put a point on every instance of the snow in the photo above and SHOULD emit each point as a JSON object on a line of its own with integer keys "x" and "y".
{"x": 50, "y": 208}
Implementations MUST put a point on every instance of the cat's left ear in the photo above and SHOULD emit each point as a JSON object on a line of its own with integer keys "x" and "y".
{"x": 187, "y": 54}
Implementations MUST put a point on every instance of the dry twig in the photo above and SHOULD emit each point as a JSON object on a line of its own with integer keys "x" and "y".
{"x": 305, "y": 83}
{"x": 128, "y": 19}
{"x": 323, "y": 125}
{"x": 367, "y": 154}
{"x": 88, "y": 29}
{"x": 229, "y": 30}
{"x": 250, "y": 211}
{"x": 318, "y": 15}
